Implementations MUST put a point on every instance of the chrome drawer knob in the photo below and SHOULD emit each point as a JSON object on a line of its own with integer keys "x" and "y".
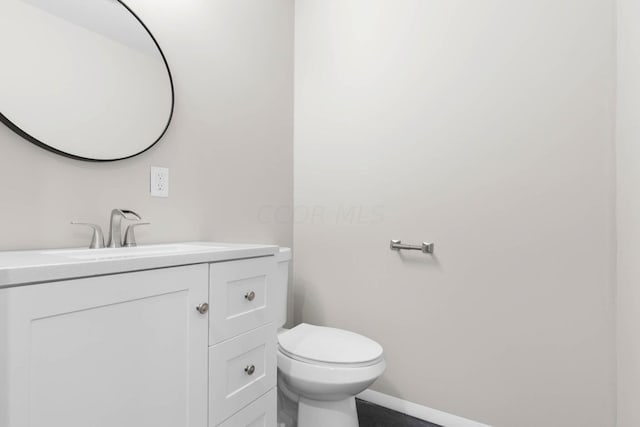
{"x": 250, "y": 296}
{"x": 250, "y": 369}
{"x": 203, "y": 308}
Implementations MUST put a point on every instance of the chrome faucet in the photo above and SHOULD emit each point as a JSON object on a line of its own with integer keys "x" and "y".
{"x": 115, "y": 233}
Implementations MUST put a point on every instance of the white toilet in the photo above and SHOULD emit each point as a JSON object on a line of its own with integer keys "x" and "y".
{"x": 322, "y": 369}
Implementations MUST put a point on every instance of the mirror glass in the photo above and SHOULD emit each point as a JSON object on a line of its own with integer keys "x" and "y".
{"x": 83, "y": 78}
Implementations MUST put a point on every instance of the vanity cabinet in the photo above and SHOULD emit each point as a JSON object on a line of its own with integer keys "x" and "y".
{"x": 133, "y": 350}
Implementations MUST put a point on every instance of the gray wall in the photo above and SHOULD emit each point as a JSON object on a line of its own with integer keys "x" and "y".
{"x": 628, "y": 151}
{"x": 486, "y": 127}
{"x": 229, "y": 148}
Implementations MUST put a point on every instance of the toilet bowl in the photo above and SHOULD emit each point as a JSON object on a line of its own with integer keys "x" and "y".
{"x": 321, "y": 369}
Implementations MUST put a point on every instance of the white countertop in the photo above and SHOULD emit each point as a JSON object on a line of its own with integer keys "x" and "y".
{"x": 36, "y": 266}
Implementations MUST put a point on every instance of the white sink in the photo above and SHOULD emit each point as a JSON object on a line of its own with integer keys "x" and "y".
{"x": 35, "y": 266}
{"x": 135, "y": 252}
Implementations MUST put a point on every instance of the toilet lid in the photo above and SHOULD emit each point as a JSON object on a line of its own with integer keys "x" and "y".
{"x": 329, "y": 345}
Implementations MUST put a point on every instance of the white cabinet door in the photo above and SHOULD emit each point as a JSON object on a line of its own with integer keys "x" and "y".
{"x": 127, "y": 350}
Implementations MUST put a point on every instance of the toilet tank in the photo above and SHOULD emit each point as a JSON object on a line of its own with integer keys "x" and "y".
{"x": 280, "y": 289}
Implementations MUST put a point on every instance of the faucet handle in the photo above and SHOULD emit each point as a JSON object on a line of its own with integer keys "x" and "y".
{"x": 97, "y": 240}
{"x": 129, "y": 235}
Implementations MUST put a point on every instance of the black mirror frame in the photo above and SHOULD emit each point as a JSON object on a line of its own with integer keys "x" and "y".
{"x": 41, "y": 144}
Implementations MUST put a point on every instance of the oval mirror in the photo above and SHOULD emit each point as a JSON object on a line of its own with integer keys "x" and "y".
{"x": 82, "y": 78}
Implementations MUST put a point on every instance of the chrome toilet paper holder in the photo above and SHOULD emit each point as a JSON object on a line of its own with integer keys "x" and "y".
{"x": 425, "y": 247}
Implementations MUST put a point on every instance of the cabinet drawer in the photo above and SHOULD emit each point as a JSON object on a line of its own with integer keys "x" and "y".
{"x": 241, "y": 370}
{"x": 261, "y": 413}
{"x": 239, "y": 296}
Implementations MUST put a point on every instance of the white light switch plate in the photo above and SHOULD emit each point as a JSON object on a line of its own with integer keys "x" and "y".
{"x": 159, "y": 182}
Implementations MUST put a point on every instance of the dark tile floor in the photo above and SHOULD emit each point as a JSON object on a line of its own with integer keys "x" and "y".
{"x": 371, "y": 415}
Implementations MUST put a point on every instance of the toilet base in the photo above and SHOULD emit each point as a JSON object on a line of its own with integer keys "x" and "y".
{"x": 316, "y": 413}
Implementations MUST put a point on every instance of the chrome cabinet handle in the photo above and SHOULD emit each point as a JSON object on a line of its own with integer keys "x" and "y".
{"x": 250, "y": 369}
{"x": 203, "y": 308}
{"x": 250, "y": 296}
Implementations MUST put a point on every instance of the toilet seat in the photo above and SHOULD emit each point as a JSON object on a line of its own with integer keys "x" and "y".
{"x": 328, "y": 364}
{"x": 320, "y": 345}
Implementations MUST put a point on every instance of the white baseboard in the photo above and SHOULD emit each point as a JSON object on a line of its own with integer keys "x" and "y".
{"x": 417, "y": 411}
